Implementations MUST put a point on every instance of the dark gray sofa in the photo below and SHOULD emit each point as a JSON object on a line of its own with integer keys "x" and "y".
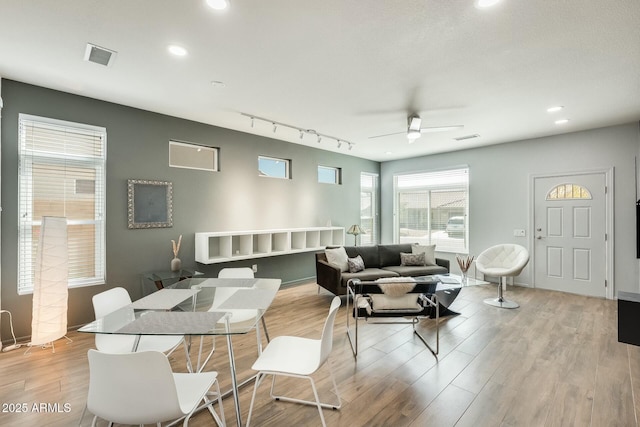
{"x": 379, "y": 261}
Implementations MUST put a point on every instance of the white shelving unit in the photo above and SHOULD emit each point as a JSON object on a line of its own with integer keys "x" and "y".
{"x": 216, "y": 247}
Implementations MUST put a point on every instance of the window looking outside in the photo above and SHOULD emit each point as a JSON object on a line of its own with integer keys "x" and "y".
{"x": 274, "y": 168}
{"x": 329, "y": 175}
{"x": 432, "y": 208}
{"x": 62, "y": 173}
{"x": 369, "y": 208}
{"x": 192, "y": 156}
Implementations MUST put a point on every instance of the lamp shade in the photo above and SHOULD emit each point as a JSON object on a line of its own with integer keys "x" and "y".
{"x": 50, "y": 286}
{"x": 355, "y": 230}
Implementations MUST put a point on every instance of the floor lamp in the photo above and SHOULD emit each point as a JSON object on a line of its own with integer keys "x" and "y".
{"x": 50, "y": 286}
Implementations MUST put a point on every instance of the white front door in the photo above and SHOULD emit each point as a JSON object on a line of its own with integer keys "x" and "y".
{"x": 570, "y": 233}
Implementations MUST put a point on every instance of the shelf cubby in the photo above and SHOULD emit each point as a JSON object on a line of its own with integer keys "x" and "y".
{"x": 217, "y": 247}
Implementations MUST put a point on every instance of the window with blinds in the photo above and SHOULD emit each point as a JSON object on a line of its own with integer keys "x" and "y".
{"x": 369, "y": 208}
{"x": 62, "y": 173}
{"x": 433, "y": 208}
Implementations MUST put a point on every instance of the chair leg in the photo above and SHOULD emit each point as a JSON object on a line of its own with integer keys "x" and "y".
{"x": 259, "y": 377}
{"x": 266, "y": 332}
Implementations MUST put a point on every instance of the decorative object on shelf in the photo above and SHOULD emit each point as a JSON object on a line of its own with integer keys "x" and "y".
{"x": 355, "y": 230}
{"x": 464, "y": 263}
{"x": 149, "y": 203}
{"x": 176, "y": 264}
{"x": 51, "y": 288}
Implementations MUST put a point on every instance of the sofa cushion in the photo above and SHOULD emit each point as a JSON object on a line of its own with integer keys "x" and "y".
{"x": 390, "y": 254}
{"x": 412, "y": 259}
{"x": 413, "y": 271}
{"x": 369, "y": 255}
{"x": 367, "y": 275}
{"x": 355, "y": 264}
{"x": 429, "y": 253}
{"x": 338, "y": 258}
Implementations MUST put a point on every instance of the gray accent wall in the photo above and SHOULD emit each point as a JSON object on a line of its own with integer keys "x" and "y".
{"x": 500, "y": 189}
{"x": 233, "y": 199}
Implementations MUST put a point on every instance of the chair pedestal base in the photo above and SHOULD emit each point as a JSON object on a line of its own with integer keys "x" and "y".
{"x": 501, "y": 302}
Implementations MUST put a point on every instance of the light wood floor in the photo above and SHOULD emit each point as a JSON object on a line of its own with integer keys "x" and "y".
{"x": 555, "y": 361}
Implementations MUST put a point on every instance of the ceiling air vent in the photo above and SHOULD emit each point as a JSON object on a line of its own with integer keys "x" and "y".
{"x": 462, "y": 138}
{"x": 99, "y": 55}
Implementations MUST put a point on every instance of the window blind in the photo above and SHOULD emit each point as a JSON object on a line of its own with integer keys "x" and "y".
{"x": 369, "y": 208}
{"x": 62, "y": 173}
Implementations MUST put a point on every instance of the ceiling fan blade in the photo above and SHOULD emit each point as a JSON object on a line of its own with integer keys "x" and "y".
{"x": 388, "y": 134}
{"x": 440, "y": 128}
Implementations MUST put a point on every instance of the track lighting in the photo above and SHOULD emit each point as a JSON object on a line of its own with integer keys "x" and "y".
{"x": 302, "y": 131}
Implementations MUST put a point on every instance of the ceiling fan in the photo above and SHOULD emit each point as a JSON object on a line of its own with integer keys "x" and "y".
{"x": 414, "y": 131}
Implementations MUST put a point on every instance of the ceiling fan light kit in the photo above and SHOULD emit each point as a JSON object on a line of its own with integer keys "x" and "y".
{"x": 414, "y": 131}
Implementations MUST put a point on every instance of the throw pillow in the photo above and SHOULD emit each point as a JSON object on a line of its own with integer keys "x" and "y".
{"x": 412, "y": 259}
{"x": 429, "y": 253}
{"x": 355, "y": 264}
{"x": 406, "y": 302}
{"x": 338, "y": 258}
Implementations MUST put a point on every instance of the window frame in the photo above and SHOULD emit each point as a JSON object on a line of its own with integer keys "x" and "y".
{"x": 430, "y": 186}
{"x": 27, "y": 158}
{"x": 371, "y": 237}
{"x": 287, "y": 171}
{"x": 337, "y": 175}
{"x": 198, "y": 147}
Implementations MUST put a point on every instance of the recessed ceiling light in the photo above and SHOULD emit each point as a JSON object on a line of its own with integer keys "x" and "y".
{"x": 218, "y": 4}
{"x": 177, "y": 50}
{"x": 554, "y": 109}
{"x": 486, "y": 3}
{"x": 562, "y": 121}
{"x": 217, "y": 83}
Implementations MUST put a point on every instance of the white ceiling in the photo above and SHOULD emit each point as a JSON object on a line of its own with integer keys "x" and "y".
{"x": 346, "y": 68}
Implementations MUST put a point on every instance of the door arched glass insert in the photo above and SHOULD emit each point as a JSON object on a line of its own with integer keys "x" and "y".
{"x": 569, "y": 192}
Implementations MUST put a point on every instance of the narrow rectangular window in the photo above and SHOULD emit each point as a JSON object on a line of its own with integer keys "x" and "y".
{"x": 369, "y": 208}
{"x": 274, "y": 168}
{"x": 329, "y": 175}
{"x": 62, "y": 173}
{"x": 193, "y": 156}
{"x": 433, "y": 208}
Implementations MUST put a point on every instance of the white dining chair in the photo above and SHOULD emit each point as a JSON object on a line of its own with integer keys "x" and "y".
{"x": 140, "y": 388}
{"x": 239, "y": 315}
{"x": 114, "y": 299}
{"x": 298, "y": 357}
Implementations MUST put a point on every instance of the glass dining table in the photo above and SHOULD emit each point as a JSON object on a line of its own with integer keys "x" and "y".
{"x": 195, "y": 307}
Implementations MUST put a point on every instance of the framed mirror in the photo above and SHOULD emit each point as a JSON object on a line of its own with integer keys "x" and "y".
{"x": 149, "y": 203}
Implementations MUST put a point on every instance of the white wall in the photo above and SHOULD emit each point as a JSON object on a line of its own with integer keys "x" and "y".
{"x": 500, "y": 198}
